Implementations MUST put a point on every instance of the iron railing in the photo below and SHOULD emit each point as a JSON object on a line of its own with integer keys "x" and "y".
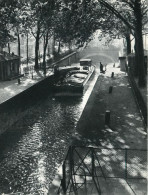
{"x": 85, "y": 165}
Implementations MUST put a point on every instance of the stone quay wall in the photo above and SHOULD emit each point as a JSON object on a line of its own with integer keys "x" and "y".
{"x": 16, "y": 107}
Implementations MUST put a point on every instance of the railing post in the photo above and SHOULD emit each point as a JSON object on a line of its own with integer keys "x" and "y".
{"x": 71, "y": 159}
{"x": 107, "y": 117}
{"x": 93, "y": 163}
{"x": 94, "y": 172}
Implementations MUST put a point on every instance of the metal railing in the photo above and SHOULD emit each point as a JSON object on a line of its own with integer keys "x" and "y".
{"x": 85, "y": 164}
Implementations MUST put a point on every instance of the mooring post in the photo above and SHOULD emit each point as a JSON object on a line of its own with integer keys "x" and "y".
{"x": 110, "y": 89}
{"x": 19, "y": 81}
{"x": 112, "y": 75}
{"x": 107, "y": 117}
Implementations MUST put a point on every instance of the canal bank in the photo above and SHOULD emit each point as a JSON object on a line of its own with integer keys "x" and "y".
{"x": 125, "y": 129}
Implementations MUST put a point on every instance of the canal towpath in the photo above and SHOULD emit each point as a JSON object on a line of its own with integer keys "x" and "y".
{"x": 126, "y": 129}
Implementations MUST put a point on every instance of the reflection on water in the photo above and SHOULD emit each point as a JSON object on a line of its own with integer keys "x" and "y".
{"x": 32, "y": 149}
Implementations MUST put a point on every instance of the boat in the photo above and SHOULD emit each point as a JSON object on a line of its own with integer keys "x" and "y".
{"x": 74, "y": 83}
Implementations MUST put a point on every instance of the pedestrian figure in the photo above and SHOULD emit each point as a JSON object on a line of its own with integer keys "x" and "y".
{"x": 101, "y": 67}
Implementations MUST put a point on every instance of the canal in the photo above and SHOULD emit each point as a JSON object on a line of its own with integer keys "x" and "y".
{"x": 34, "y": 147}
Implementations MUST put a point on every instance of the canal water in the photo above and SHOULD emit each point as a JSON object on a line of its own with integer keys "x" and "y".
{"x": 34, "y": 147}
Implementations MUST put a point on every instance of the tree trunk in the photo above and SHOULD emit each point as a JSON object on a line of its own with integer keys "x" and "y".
{"x": 9, "y": 47}
{"x": 59, "y": 47}
{"x": 19, "y": 45}
{"x": 37, "y": 49}
{"x": 136, "y": 58}
{"x": 128, "y": 41}
{"x": 27, "y": 50}
{"x": 139, "y": 44}
{"x": 44, "y": 52}
{"x": 53, "y": 44}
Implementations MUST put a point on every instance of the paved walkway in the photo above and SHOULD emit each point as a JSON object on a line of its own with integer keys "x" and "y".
{"x": 126, "y": 128}
{"x": 9, "y": 89}
{"x": 126, "y": 125}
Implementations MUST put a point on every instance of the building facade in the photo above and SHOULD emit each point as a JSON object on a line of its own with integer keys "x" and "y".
{"x": 9, "y": 66}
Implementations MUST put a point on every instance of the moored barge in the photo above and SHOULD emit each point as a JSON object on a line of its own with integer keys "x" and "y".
{"x": 73, "y": 84}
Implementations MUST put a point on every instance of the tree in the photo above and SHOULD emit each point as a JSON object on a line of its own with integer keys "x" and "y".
{"x": 137, "y": 10}
{"x": 76, "y": 22}
{"x": 131, "y": 14}
{"x": 6, "y": 12}
{"x": 41, "y": 16}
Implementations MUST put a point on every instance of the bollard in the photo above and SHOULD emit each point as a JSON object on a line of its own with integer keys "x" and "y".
{"x": 112, "y": 74}
{"x": 114, "y": 65}
{"x": 107, "y": 117}
{"x": 19, "y": 81}
{"x": 110, "y": 89}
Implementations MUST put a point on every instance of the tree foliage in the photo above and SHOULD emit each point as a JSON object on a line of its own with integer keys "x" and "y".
{"x": 74, "y": 22}
{"x": 134, "y": 15}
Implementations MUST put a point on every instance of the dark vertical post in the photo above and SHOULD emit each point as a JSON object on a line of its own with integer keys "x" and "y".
{"x": 107, "y": 117}
{"x": 72, "y": 170}
{"x": 19, "y": 81}
{"x": 9, "y": 47}
{"x": 112, "y": 75}
{"x": 93, "y": 164}
{"x": 110, "y": 89}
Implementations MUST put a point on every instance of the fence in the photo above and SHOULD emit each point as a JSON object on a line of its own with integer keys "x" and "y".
{"x": 83, "y": 162}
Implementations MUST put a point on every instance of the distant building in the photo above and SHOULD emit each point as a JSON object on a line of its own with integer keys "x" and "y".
{"x": 9, "y": 66}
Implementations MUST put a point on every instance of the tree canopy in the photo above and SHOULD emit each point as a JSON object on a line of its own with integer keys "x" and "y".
{"x": 74, "y": 22}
